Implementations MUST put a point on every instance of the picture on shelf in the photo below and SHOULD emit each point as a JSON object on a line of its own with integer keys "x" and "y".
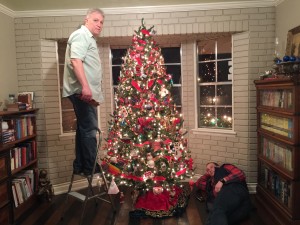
{"x": 27, "y": 98}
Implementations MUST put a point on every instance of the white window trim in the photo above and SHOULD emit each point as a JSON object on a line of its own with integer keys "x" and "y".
{"x": 212, "y": 131}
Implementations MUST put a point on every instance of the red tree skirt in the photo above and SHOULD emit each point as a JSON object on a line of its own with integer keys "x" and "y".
{"x": 161, "y": 205}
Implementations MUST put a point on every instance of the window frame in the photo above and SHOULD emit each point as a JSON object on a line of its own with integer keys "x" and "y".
{"x": 112, "y": 47}
{"x": 214, "y": 130}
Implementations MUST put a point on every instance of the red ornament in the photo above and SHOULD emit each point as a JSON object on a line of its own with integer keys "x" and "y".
{"x": 191, "y": 182}
{"x": 140, "y": 48}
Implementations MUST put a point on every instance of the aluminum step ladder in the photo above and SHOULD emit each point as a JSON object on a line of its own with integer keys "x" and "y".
{"x": 90, "y": 193}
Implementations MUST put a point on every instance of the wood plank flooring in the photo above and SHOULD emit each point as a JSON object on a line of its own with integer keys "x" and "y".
{"x": 51, "y": 213}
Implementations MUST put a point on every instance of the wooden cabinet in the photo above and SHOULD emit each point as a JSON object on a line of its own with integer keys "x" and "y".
{"x": 18, "y": 164}
{"x": 278, "y": 144}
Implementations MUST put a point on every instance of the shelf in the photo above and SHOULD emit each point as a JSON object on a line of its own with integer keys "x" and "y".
{"x": 16, "y": 113}
{"x": 21, "y": 209}
{"x": 282, "y": 82}
{"x": 272, "y": 212}
{"x": 20, "y": 154}
{"x": 3, "y": 204}
{"x": 13, "y": 143}
{"x": 284, "y": 172}
{"x": 15, "y": 171}
{"x": 278, "y": 149}
{"x": 275, "y": 201}
{"x": 5, "y": 214}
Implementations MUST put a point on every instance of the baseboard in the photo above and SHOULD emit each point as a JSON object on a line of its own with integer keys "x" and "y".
{"x": 77, "y": 185}
{"x": 252, "y": 187}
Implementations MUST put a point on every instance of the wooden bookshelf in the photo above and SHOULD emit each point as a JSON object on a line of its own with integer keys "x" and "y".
{"x": 18, "y": 164}
{"x": 278, "y": 150}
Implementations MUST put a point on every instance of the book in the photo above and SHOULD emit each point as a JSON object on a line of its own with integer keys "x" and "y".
{"x": 24, "y": 187}
{"x": 28, "y": 186}
{"x": 31, "y": 177}
{"x": 15, "y": 195}
{"x": 18, "y": 191}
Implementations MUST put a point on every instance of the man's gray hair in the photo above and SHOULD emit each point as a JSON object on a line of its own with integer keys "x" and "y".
{"x": 90, "y": 11}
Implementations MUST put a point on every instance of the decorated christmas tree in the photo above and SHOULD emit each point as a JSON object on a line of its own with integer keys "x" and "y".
{"x": 146, "y": 148}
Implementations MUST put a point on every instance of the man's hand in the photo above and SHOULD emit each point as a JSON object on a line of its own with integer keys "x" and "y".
{"x": 90, "y": 101}
{"x": 86, "y": 94}
{"x": 218, "y": 186}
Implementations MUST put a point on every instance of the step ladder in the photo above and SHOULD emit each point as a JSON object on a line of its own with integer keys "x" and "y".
{"x": 90, "y": 193}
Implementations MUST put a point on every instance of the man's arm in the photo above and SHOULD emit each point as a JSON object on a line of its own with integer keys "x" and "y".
{"x": 235, "y": 174}
{"x": 202, "y": 182}
{"x": 86, "y": 94}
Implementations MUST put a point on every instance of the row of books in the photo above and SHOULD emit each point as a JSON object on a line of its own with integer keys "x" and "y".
{"x": 278, "y": 154}
{"x": 23, "y": 186}
{"x": 279, "y": 187}
{"x": 278, "y": 125}
{"x": 20, "y": 127}
{"x": 281, "y": 98}
{"x": 22, "y": 154}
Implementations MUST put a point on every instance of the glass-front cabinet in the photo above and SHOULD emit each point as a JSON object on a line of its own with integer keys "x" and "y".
{"x": 278, "y": 147}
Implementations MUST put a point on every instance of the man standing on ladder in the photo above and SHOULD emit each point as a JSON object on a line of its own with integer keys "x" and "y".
{"x": 82, "y": 85}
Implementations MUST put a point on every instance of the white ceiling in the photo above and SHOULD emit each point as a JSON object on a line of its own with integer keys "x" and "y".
{"x": 33, "y": 5}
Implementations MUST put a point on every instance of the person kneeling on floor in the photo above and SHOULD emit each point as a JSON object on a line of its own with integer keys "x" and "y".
{"x": 226, "y": 194}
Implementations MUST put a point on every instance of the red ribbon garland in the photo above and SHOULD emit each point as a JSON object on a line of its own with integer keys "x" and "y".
{"x": 160, "y": 82}
{"x": 150, "y": 83}
{"x": 180, "y": 172}
{"x": 136, "y": 178}
{"x": 142, "y": 144}
{"x": 135, "y": 84}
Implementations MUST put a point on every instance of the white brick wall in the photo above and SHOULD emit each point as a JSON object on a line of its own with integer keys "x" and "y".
{"x": 252, "y": 53}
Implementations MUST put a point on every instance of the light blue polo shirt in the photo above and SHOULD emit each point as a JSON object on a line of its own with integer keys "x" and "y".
{"x": 82, "y": 45}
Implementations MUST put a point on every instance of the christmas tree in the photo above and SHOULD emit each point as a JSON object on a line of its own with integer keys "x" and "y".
{"x": 146, "y": 147}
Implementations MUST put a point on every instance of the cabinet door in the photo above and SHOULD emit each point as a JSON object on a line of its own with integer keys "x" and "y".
{"x": 5, "y": 215}
{"x": 279, "y": 155}
{"x": 3, "y": 167}
{"x": 283, "y": 127}
{"x": 283, "y": 191}
{"x": 276, "y": 98}
{"x": 4, "y": 193}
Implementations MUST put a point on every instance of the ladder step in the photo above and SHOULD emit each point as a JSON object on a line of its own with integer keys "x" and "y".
{"x": 77, "y": 195}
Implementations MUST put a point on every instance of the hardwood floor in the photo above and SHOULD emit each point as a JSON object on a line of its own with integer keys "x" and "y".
{"x": 51, "y": 213}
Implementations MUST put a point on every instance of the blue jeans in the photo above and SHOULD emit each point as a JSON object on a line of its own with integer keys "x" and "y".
{"x": 86, "y": 141}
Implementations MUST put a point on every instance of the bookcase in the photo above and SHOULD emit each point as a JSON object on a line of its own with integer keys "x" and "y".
{"x": 18, "y": 164}
{"x": 278, "y": 150}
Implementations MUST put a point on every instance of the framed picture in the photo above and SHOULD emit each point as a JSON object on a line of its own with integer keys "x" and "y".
{"x": 293, "y": 42}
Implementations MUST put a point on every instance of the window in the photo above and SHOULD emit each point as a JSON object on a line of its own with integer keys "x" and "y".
{"x": 172, "y": 62}
{"x": 67, "y": 112}
{"x": 172, "y": 57}
{"x": 215, "y": 83}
